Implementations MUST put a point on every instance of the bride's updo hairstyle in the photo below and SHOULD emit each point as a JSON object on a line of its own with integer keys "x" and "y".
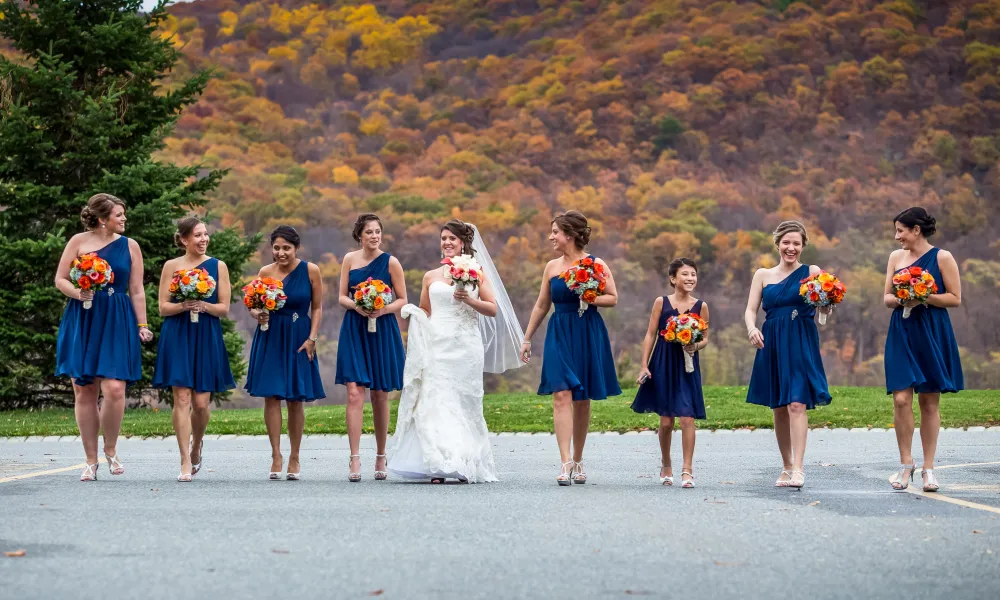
{"x": 787, "y": 227}
{"x": 464, "y": 232}
{"x": 917, "y": 217}
{"x": 574, "y": 225}
{"x": 99, "y": 206}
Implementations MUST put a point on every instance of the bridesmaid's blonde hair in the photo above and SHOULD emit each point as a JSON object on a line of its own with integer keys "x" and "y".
{"x": 787, "y": 227}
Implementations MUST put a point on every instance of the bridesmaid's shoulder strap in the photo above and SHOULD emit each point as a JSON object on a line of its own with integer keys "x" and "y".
{"x": 667, "y": 306}
{"x": 696, "y": 309}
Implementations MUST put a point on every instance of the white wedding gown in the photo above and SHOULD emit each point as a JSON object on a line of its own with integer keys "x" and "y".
{"x": 440, "y": 429}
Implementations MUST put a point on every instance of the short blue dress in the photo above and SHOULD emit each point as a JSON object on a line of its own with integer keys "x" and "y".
{"x": 789, "y": 368}
{"x": 577, "y": 354}
{"x": 921, "y": 351}
{"x": 193, "y": 355}
{"x": 671, "y": 391}
{"x": 103, "y": 341}
{"x": 277, "y": 369}
{"x": 371, "y": 360}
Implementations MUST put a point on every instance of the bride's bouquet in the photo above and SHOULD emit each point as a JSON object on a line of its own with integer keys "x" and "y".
{"x": 371, "y": 295}
{"x": 463, "y": 271}
{"x": 821, "y": 290}
{"x": 685, "y": 329}
{"x": 191, "y": 284}
{"x": 90, "y": 272}
{"x": 264, "y": 293}
{"x": 587, "y": 279}
{"x": 913, "y": 283}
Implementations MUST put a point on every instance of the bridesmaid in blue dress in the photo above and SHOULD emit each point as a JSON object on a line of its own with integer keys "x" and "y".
{"x": 788, "y": 374}
{"x": 372, "y": 361}
{"x": 192, "y": 357}
{"x": 665, "y": 388}
{"x": 283, "y": 363}
{"x": 99, "y": 347}
{"x": 921, "y": 353}
{"x": 577, "y": 365}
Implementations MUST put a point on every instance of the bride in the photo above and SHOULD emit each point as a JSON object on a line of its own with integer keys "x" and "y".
{"x": 454, "y": 336}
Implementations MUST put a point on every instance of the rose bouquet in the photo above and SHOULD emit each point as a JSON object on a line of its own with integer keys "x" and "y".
{"x": 463, "y": 271}
{"x": 685, "y": 329}
{"x": 587, "y": 279}
{"x": 821, "y": 290}
{"x": 264, "y": 293}
{"x": 913, "y": 283}
{"x": 371, "y": 295}
{"x": 191, "y": 284}
{"x": 90, "y": 272}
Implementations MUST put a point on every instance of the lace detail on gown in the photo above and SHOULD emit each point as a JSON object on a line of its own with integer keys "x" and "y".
{"x": 440, "y": 429}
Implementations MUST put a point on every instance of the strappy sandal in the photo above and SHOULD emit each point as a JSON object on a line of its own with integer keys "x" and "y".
{"x": 380, "y": 475}
{"x": 354, "y": 477}
{"x": 201, "y": 457}
{"x": 578, "y": 475}
{"x": 667, "y": 479}
{"x": 276, "y": 475}
{"x": 900, "y": 481}
{"x": 184, "y": 478}
{"x": 930, "y": 481}
{"x": 797, "y": 485}
{"x": 114, "y": 465}
{"x": 90, "y": 472}
{"x": 687, "y": 483}
{"x": 779, "y": 482}
{"x": 564, "y": 475}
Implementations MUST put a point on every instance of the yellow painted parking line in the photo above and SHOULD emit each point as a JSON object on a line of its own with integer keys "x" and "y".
{"x": 982, "y": 464}
{"x": 939, "y": 496}
{"x": 80, "y": 466}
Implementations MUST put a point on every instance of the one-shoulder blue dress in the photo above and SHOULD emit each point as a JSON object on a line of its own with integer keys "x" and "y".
{"x": 277, "y": 369}
{"x": 193, "y": 355}
{"x": 103, "y": 341}
{"x": 789, "y": 368}
{"x": 921, "y": 351}
{"x": 671, "y": 391}
{"x": 577, "y": 353}
{"x": 371, "y": 360}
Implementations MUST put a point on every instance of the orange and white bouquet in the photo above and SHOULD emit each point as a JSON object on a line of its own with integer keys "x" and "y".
{"x": 685, "y": 329}
{"x": 913, "y": 283}
{"x": 823, "y": 289}
{"x": 372, "y": 295}
{"x": 90, "y": 272}
{"x": 191, "y": 284}
{"x": 587, "y": 279}
{"x": 264, "y": 293}
{"x": 463, "y": 271}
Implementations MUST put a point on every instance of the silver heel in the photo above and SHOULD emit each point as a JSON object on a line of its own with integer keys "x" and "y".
{"x": 900, "y": 481}
{"x": 930, "y": 481}
{"x": 114, "y": 465}
{"x": 578, "y": 475}
{"x": 381, "y": 475}
{"x": 564, "y": 475}
{"x": 667, "y": 479}
{"x": 353, "y": 477}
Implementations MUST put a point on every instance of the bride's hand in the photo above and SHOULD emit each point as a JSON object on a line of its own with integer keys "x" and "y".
{"x": 461, "y": 295}
{"x": 525, "y": 352}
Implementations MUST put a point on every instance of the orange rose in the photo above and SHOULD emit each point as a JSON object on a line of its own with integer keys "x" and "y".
{"x": 379, "y": 302}
{"x": 601, "y": 286}
{"x": 916, "y": 271}
{"x": 589, "y": 296}
{"x": 669, "y": 336}
{"x": 358, "y": 295}
{"x": 902, "y": 294}
{"x": 203, "y": 276}
{"x": 261, "y": 290}
{"x": 185, "y": 280}
{"x": 86, "y": 265}
{"x": 100, "y": 266}
{"x": 684, "y": 336}
{"x": 202, "y": 287}
{"x": 270, "y": 304}
{"x": 84, "y": 283}
{"x": 248, "y": 301}
{"x": 828, "y": 287}
{"x": 920, "y": 289}
{"x": 582, "y": 276}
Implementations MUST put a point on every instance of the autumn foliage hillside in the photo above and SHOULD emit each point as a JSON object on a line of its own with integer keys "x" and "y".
{"x": 680, "y": 127}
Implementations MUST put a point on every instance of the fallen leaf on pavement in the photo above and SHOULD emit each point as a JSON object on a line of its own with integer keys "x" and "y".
{"x": 720, "y": 563}
{"x": 15, "y": 553}
{"x": 154, "y": 489}
{"x": 976, "y": 531}
{"x": 728, "y": 482}
{"x": 378, "y": 592}
{"x": 827, "y": 465}
{"x": 277, "y": 551}
{"x": 637, "y": 593}
{"x": 814, "y": 503}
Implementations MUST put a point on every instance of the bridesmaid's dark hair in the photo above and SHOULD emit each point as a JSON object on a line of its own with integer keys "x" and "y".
{"x": 288, "y": 233}
{"x": 574, "y": 225}
{"x": 359, "y": 225}
{"x": 99, "y": 206}
{"x": 677, "y": 264}
{"x": 917, "y": 217}
{"x": 464, "y": 232}
{"x": 786, "y": 227}
{"x": 184, "y": 228}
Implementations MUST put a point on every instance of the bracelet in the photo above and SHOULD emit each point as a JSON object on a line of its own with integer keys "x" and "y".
{"x": 523, "y": 343}
{"x": 141, "y": 325}
{"x": 749, "y": 333}
{"x": 314, "y": 339}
